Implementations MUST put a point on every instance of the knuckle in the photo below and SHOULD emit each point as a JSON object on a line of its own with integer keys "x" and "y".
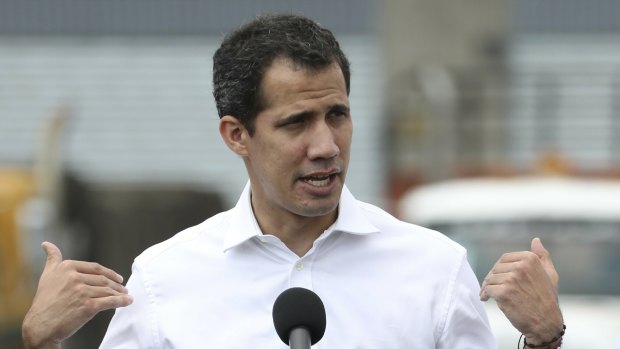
{"x": 506, "y": 295}
{"x": 73, "y": 278}
{"x": 102, "y": 280}
{"x": 112, "y": 302}
{"x": 500, "y": 295}
{"x": 98, "y": 268}
{"x": 518, "y": 272}
{"x": 66, "y": 264}
{"x": 512, "y": 278}
{"x": 81, "y": 291}
{"x": 531, "y": 257}
{"x": 90, "y": 307}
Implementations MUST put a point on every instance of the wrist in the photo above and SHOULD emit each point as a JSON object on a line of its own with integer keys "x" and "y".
{"x": 545, "y": 345}
{"x": 554, "y": 343}
{"x": 546, "y": 329}
{"x": 32, "y": 339}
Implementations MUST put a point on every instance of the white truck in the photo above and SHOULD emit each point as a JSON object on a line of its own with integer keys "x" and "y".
{"x": 578, "y": 221}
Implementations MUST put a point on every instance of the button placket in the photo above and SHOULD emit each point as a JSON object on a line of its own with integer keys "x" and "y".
{"x": 301, "y": 275}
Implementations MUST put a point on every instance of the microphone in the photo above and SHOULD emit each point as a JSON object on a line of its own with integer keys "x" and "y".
{"x": 299, "y": 317}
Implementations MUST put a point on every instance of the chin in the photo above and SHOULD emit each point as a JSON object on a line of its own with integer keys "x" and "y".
{"x": 318, "y": 211}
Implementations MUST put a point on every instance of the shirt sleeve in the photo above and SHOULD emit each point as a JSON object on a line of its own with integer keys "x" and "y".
{"x": 133, "y": 326}
{"x": 467, "y": 324}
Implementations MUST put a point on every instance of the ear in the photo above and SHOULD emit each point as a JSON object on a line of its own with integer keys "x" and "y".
{"x": 234, "y": 134}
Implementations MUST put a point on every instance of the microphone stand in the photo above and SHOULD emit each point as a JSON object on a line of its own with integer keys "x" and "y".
{"x": 299, "y": 338}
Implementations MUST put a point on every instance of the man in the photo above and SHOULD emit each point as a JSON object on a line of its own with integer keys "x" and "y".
{"x": 281, "y": 86}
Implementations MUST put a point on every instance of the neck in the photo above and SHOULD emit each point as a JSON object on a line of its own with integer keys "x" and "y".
{"x": 300, "y": 237}
{"x": 298, "y": 233}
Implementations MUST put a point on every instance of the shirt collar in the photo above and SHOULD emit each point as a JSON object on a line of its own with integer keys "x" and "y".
{"x": 243, "y": 225}
{"x": 351, "y": 218}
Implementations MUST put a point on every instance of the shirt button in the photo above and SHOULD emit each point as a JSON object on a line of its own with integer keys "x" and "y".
{"x": 299, "y": 266}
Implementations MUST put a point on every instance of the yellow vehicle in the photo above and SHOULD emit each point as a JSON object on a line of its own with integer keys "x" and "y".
{"x": 18, "y": 187}
{"x": 16, "y": 286}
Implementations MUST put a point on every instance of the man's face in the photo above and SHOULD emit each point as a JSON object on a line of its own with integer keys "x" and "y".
{"x": 298, "y": 156}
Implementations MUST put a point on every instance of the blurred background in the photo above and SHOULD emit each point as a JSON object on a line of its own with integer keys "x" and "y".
{"x": 491, "y": 121}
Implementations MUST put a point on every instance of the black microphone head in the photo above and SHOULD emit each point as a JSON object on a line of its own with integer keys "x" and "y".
{"x": 298, "y": 307}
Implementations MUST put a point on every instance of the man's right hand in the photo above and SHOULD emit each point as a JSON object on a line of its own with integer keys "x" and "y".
{"x": 70, "y": 293}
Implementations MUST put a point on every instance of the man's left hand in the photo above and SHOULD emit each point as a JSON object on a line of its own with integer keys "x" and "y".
{"x": 525, "y": 286}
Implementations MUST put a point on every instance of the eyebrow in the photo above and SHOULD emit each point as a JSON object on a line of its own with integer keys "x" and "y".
{"x": 302, "y": 115}
{"x": 343, "y": 108}
{"x": 293, "y": 118}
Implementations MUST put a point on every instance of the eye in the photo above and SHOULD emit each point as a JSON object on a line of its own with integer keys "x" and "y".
{"x": 297, "y": 121}
{"x": 294, "y": 123}
{"x": 338, "y": 114}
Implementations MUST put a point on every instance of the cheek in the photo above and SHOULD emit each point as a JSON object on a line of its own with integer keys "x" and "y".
{"x": 282, "y": 158}
{"x": 290, "y": 151}
{"x": 344, "y": 142}
{"x": 279, "y": 156}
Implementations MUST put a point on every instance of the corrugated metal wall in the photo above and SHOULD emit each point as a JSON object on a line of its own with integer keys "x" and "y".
{"x": 565, "y": 16}
{"x": 565, "y": 93}
{"x": 170, "y": 17}
{"x": 144, "y": 110}
{"x": 565, "y": 69}
{"x": 138, "y": 76}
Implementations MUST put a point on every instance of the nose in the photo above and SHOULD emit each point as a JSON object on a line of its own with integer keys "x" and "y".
{"x": 322, "y": 142}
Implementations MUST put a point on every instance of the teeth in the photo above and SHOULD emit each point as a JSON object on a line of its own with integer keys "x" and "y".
{"x": 317, "y": 182}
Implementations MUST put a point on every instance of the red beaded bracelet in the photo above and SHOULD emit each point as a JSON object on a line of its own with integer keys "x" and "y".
{"x": 546, "y": 345}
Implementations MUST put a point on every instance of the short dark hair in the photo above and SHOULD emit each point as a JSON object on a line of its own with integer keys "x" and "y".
{"x": 246, "y": 53}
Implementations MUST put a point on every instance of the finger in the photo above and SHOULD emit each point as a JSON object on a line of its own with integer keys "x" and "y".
{"x": 513, "y": 256}
{"x": 98, "y": 269}
{"x": 545, "y": 259}
{"x": 484, "y": 295}
{"x": 95, "y": 305}
{"x": 501, "y": 294}
{"x": 539, "y": 249}
{"x": 542, "y": 253}
{"x": 484, "y": 282}
{"x": 500, "y": 271}
{"x": 112, "y": 302}
{"x": 102, "y": 281}
{"x": 498, "y": 279}
{"x": 501, "y": 268}
{"x": 54, "y": 256}
{"x": 100, "y": 292}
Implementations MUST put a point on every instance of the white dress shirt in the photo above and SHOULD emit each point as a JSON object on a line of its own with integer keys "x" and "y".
{"x": 385, "y": 284}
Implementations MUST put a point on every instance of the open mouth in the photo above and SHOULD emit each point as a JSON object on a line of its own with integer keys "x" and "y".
{"x": 319, "y": 181}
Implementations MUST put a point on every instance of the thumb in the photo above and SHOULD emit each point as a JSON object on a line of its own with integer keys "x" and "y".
{"x": 54, "y": 256}
{"x": 545, "y": 259}
{"x": 539, "y": 249}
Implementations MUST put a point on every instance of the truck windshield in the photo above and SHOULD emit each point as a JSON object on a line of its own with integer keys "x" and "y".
{"x": 586, "y": 254}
